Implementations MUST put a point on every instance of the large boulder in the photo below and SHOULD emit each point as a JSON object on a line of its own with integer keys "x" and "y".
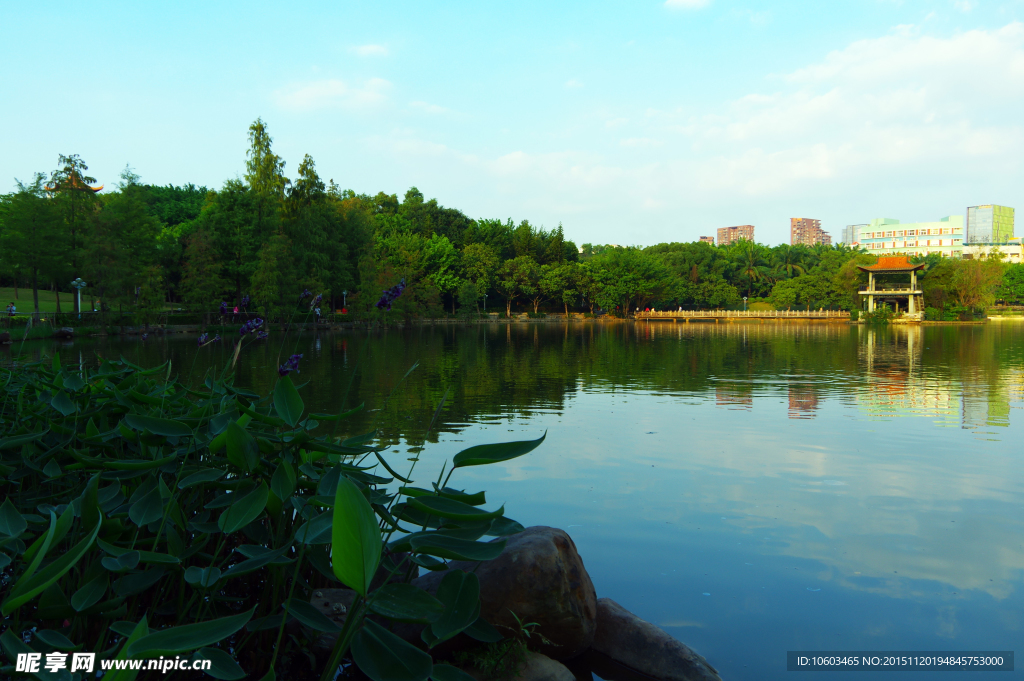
{"x": 640, "y": 645}
{"x": 540, "y": 577}
{"x": 535, "y": 667}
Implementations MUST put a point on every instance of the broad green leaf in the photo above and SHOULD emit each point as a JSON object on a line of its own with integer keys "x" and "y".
{"x": 355, "y": 538}
{"x": 90, "y": 594}
{"x": 460, "y": 593}
{"x": 202, "y": 577}
{"x": 199, "y": 477}
{"x": 223, "y": 665}
{"x": 62, "y": 403}
{"x": 454, "y": 548}
{"x": 282, "y": 484}
{"x": 446, "y": 672}
{"x": 137, "y": 582}
{"x": 384, "y": 656}
{"x": 478, "y": 499}
{"x": 11, "y": 522}
{"x": 316, "y": 531}
{"x": 47, "y": 541}
{"x": 481, "y": 630}
{"x": 91, "y": 512}
{"x": 64, "y": 523}
{"x": 310, "y": 616}
{"x": 496, "y": 453}
{"x": 141, "y": 630}
{"x": 26, "y": 591}
{"x": 52, "y": 468}
{"x": 19, "y": 440}
{"x": 405, "y": 603}
{"x": 147, "y": 509}
{"x": 165, "y": 427}
{"x": 182, "y": 639}
{"x": 245, "y": 510}
{"x": 503, "y": 527}
{"x": 243, "y": 451}
{"x": 14, "y": 646}
{"x": 126, "y": 561}
{"x": 454, "y": 510}
{"x": 287, "y": 402}
{"x": 265, "y": 557}
{"x": 54, "y": 640}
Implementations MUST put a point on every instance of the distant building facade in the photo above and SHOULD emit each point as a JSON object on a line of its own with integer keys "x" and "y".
{"x": 708, "y": 240}
{"x": 807, "y": 231}
{"x": 989, "y": 224}
{"x": 886, "y": 236}
{"x": 1011, "y": 252}
{"x": 851, "y": 234}
{"x": 728, "y": 235}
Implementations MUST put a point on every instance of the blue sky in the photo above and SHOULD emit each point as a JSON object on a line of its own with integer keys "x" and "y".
{"x": 630, "y": 123}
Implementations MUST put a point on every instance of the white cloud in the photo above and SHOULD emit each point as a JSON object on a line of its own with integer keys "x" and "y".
{"x": 370, "y": 50}
{"x": 426, "y": 107}
{"x": 756, "y": 18}
{"x": 686, "y": 4}
{"x": 964, "y": 5}
{"x": 572, "y": 84}
{"x": 332, "y": 93}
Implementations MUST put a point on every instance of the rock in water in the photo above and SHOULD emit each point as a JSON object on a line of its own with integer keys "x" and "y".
{"x": 638, "y": 644}
{"x": 540, "y": 577}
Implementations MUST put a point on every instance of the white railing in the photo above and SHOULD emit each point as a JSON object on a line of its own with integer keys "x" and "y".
{"x": 698, "y": 314}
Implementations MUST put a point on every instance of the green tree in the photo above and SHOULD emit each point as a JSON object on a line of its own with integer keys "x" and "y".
{"x": 749, "y": 263}
{"x": 469, "y": 295}
{"x": 559, "y": 283}
{"x": 517, "y": 278}
{"x": 77, "y": 202}
{"x": 480, "y": 264}
{"x": 29, "y": 237}
{"x": 441, "y": 265}
{"x": 202, "y": 285}
{"x": 272, "y": 283}
{"x": 631, "y": 278}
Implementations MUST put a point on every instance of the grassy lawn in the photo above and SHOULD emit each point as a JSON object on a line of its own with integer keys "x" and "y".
{"x": 47, "y": 300}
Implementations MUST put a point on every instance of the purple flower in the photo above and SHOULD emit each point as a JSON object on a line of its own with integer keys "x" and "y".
{"x": 223, "y": 308}
{"x": 202, "y": 339}
{"x": 261, "y": 335}
{"x": 389, "y": 296}
{"x": 245, "y": 301}
{"x": 306, "y": 293}
{"x": 215, "y": 338}
{"x": 145, "y": 336}
{"x": 250, "y": 326}
{"x": 291, "y": 364}
{"x": 316, "y": 301}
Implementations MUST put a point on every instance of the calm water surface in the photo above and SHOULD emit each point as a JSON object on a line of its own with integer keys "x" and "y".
{"x": 750, "y": 488}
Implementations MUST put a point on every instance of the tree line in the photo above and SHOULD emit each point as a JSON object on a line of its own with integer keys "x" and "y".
{"x": 266, "y": 238}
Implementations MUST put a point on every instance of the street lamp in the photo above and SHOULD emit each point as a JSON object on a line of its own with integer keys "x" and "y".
{"x": 344, "y": 300}
{"x": 79, "y": 284}
{"x": 744, "y": 303}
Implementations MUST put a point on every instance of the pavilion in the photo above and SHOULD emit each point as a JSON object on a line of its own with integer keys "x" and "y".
{"x": 910, "y": 294}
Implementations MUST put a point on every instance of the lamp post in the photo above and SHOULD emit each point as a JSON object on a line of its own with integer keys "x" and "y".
{"x": 79, "y": 284}
{"x": 344, "y": 300}
{"x": 744, "y": 303}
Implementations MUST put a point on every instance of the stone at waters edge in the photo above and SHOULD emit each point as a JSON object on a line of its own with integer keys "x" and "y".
{"x": 540, "y": 577}
{"x": 638, "y": 644}
{"x": 536, "y": 667}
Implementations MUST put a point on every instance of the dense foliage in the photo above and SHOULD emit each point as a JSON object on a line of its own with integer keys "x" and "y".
{"x": 267, "y": 237}
{"x": 145, "y": 517}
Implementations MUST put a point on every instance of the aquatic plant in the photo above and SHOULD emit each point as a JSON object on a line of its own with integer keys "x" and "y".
{"x": 389, "y": 296}
{"x": 142, "y": 517}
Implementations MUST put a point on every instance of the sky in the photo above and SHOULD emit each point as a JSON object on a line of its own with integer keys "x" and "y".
{"x": 625, "y": 122}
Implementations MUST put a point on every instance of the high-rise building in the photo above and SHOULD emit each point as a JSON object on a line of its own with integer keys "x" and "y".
{"x": 885, "y": 236}
{"x": 728, "y": 235}
{"x": 708, "y": 240}
{"x": 989, "y": 224}
{"x": 851, "y": 234}
{"x": 807, "y": 231}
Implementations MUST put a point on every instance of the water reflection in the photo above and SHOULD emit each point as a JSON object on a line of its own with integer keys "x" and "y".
{"x": 753, "y": 488}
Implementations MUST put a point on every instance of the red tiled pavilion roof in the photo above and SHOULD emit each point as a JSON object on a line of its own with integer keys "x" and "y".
{"x": 891, "y": 263}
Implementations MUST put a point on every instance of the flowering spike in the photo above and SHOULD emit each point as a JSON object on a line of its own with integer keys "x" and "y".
{"x": 291, "y": 364}
{"x": 389, "y": 295}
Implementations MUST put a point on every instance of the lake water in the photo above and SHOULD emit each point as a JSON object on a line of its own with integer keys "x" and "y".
{"x": 750, "y": 488}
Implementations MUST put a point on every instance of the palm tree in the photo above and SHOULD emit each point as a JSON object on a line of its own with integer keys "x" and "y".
{"x": 788, "y": 261}
{"x": 749, "y": 262}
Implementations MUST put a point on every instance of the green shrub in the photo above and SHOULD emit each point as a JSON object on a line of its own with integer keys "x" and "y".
{"x": 854, "y": 314}
{"x": 144, "y": 517}
{"x": 883, "y": 314}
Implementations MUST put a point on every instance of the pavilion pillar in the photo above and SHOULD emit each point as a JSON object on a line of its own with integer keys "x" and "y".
{"x": 911, "y": 304}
